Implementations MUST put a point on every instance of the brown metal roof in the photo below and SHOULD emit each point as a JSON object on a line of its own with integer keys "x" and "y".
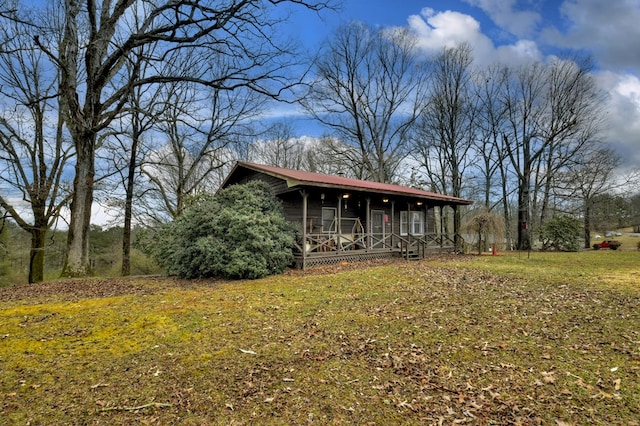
{"x": 300, "y": 178}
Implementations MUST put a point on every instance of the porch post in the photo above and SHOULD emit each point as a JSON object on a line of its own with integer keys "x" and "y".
{"x": 441, "y": 226}
{"x": 393, "y": 219}
{"x": 339, "y": 224}
{"x": 456, "y": 237}
{"x": 305, "y": 195}
{"x": 368, "y": 219}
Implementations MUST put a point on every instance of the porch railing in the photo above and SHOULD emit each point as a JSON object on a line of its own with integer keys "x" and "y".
{"x": 408, "y": 245}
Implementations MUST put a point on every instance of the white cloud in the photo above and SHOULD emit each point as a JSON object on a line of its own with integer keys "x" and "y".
{"x": 447, "y": 29}
{"x": 591, "y": 29}
{"x": 623, "y": 107}
{"x": 608, "y": 29}
{"x": 521, "y": 23}
{"x": 436, "y": 30}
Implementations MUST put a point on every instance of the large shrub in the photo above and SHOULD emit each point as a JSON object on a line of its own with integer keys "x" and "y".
{"x": 239, "y": 233}
{"x": 561, "y": 233}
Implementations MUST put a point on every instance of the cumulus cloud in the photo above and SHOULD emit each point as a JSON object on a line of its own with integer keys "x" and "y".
{"x": 623, "y": 106}
{"x": 608, "y": 29}
{"x": 521, "y": 23}
{"x": 611, "y": 36}
{"x": 436, "y": 30}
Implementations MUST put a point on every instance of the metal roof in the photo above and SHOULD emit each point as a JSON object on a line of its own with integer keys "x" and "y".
{"x": 295, "y": 178}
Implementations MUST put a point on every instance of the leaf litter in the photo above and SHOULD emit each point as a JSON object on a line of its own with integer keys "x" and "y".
{"x": 371, "y": 343}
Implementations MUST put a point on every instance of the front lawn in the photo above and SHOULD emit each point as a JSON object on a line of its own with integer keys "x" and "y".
{"x": 547, "y": 339}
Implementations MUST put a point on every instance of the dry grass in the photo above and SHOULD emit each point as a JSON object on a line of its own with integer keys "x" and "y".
{"x": 550, "y": 339}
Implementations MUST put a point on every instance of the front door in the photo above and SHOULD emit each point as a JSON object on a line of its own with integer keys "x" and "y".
{"x": 377, "y": 229}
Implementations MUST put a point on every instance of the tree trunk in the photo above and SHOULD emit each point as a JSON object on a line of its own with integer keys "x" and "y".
{"x": 36, "y": 258}
{"x": 587, "y": 224}
{"x": 524, "y": 225}
{"x": 128, "y": 208}
{"x": 76, "y": 262}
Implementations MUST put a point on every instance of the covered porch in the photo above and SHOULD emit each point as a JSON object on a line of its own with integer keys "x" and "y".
{"x": 338, "y": 219}
{"x": 372, "y": 227}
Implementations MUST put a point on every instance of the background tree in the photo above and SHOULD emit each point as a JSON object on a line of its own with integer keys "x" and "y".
{"x": 490, "y": 120}
{"x": 492, "y": 168}
{"x": 572, "y": 124}
{"x": 124, "y": 149}
{"x": 98, "y": 39}
{"x": 198, "y": 128}
{"x": 446, "y": 128}
{"x": 589, "y": 176}
{"x": 610, "y": 211}
{"x": 368, "y": 90}
{"x": 552, "y": 111}
{"x": 279, "y": 147}
{"x": 34, "y": 151}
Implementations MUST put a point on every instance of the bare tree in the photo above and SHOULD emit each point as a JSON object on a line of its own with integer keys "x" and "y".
{"x": 369, "y": 90}
{"x": 446, "y": 129}
{"x": 97, "y": 41}
{"x": 553, "y": 110}
{"x": 34, "y": 152}
{"x": 574, "y": 121}
{"x": 124, "y": 148}
{"x": 593, "y": 174}
{"x": 199, "y": 128}
{"x": 492, "y": 164}
{"x": 330, "y": 156}
{"x": 279, "y": 147}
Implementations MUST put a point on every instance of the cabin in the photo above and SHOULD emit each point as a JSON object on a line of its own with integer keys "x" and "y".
{"x": 345, "y": 220}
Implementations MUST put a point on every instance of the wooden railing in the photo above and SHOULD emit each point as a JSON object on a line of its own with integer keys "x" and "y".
{"x": 408, "y": 245}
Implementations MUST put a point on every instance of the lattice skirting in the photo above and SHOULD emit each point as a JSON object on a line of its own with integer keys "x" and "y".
{"x": 332, "y": 259}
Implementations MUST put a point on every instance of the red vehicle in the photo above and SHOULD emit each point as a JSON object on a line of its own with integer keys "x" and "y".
{"x": 610, "y": 244}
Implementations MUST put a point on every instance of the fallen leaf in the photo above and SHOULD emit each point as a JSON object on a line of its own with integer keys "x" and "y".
{"x": 616, "y": 384}
{"x": 99, "y": 385}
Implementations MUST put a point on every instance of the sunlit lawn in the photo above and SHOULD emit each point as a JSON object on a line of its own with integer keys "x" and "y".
{"x": 508, "y": 339}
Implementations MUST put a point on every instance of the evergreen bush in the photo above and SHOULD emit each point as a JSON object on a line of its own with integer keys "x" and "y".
{"x": 561, "y": 233}
{"x": 239, "y": 233}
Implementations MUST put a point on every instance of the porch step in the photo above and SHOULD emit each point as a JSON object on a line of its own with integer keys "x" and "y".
{"x": 412, "y": 255}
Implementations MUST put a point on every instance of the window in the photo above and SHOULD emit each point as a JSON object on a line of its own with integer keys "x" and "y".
{"x": 412, "y": 222}
{"x": 417, "y": 223}
{"x": 404, "y": 221}
{"x": 329, "y": 219}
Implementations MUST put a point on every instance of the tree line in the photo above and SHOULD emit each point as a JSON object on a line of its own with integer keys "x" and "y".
{"x": 142, "y": 106}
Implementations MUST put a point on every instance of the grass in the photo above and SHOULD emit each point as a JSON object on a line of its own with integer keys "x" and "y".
{"x": 546, "y": 339}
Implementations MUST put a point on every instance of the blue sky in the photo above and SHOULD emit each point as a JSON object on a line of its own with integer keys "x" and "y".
{"x": 513, "y": 31}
